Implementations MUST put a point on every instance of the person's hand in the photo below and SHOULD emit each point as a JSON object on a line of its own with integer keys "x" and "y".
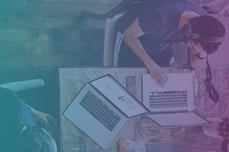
{"x": 217, "y": 7}
{"x": 157, "y": 73}
{"x": 129, "y": 145}
{"x": 121, "y": 147}
{"x": 46, "y": 120}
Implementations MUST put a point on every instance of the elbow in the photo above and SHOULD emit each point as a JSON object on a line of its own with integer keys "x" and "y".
{"x": 128, "y": 39}
{"x": 125, "y": 38}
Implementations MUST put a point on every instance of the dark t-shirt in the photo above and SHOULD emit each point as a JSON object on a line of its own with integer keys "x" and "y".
{"x": 162, "y": 21}
{"x": 14, "y": 114}
{"x": 159, "y": 21}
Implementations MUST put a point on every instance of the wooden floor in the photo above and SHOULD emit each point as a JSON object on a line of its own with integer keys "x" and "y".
{"x": 45, "y": 66}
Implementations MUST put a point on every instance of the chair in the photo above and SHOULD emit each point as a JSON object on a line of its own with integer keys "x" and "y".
{"x": 111, "y": 18}
{"x": 109, "y": 38}
{"x": 23, "y": 85}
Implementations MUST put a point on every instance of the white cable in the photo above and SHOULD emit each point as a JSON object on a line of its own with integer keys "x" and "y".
{"x": 118, "y": 43}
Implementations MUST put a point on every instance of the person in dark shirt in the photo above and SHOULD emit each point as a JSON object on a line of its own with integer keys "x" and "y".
{"x": 147, "y": 31}
{"x": 23, "y": 128}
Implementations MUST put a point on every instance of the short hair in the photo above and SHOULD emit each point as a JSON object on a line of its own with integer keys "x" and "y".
{"x": 207, "y": 26}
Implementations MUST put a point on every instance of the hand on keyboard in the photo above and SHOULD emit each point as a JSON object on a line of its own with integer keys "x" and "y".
{"x": 157, "y": 74}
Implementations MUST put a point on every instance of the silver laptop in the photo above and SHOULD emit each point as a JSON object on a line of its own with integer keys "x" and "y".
{"x": 172, "y": 105}
{"x": 101, "y": 108}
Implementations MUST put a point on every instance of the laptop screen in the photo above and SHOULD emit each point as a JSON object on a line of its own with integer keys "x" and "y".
{"x": 119, "y": 96}
{"x": 175, "y": 95}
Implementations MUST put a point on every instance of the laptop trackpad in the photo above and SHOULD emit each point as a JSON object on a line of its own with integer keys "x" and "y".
{"x": 182, "y": 119}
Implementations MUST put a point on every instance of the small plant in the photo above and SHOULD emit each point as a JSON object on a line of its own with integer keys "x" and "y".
{"x": 223, "y": 131}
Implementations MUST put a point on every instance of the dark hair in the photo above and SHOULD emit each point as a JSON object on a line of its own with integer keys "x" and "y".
{"x": 9, "y": 117}
{"x": 207, "y": 26}
{"x": 12, "y": 137}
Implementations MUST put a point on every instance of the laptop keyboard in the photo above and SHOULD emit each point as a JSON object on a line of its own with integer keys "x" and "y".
{"x": 100, "y": 111}
{"x": 168, "y": 99}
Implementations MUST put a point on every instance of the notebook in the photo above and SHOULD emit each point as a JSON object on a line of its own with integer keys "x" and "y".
{"x": 171, "y": 105}
{"x": 101, "y": 108}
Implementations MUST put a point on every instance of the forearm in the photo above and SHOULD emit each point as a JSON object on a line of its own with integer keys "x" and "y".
{"x": 130, "y": 37}
{"x": 137, "y": 48}
{"x": 37, "y": 114}
{"x": 34, "y": 111}
{"x": 151, "y": 66}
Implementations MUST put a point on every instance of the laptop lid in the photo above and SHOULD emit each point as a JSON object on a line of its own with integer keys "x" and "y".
{"x": 95, "y": 116}
{"x": 175, "y": 95}
{"x": 119, "y": 96}
{"x": 178, "y": 119}
{"x": 172, "y": 105}
{"x": 101, "y": 108}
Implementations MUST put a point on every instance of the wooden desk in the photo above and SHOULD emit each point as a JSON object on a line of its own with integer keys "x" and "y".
{"x": 140, "y": 128}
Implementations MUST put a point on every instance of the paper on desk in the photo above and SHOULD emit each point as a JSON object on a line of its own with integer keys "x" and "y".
{"x": 119, "y": 96}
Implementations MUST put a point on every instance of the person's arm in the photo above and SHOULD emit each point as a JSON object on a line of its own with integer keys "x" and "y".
{"x": 45, "y": 119}
{"x": 218, "y": 6}
{"x": 130, "y": 37}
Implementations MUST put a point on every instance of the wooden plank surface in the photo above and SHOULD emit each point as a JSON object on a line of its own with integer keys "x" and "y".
{"x": 36, "y": 61}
